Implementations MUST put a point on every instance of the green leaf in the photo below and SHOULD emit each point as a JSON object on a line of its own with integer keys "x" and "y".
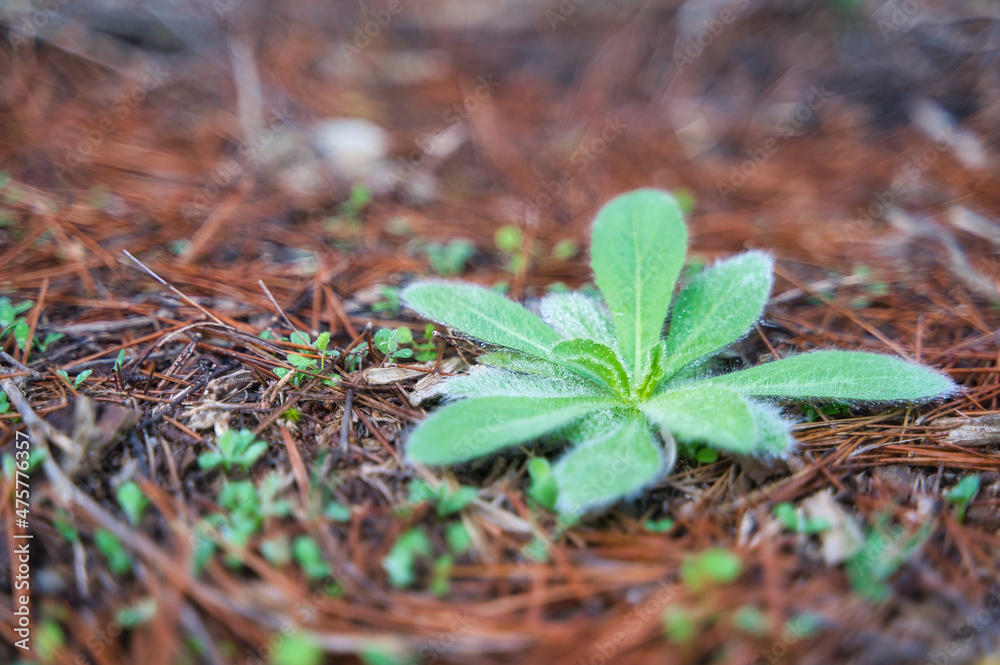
{"x": 716, "y": 416}
{"x": 576, "y": 316}
{"x": 310, "y": 557}
{"x": 850, "y": 376}
{"x": 962, "y": 494}
{"x": 773, "y": 436}
{"x": 483, "y": 314}
{"x": 599, "y": 472}
{"x": 459, "y": 540}
{"x": 520, "y": 362}
{"x": 132, "y": 501}
{"x": 398, "y": 563}
{"x": 543, "y": 487}
{"x": 475, "y": 427}
{"x": 714, "y": 565}
{"x": 595, "y": 361}
{"x": 495, "y": 382}
{"x": 718, "y": 307}
{"x": 107, "y": 543}
{"x": 637, "y": 251}
{"x": 209, "y": 460}
{"x": 456, "y": 501}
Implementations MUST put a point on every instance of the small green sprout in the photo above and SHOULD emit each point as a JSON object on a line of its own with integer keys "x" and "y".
{"x": 884, "y": 551}
{"x": 359, "y": 199}
{"x": 43, "y": 342}
{"x": 4, "y": 404}
{"x": 962, "y": 494}
{"x": 449, "y": 260}
{"x": 602, "y": 375}
{"x": 565, "y": 249}
{"x": 793, "y": 520}
{"x": 337, "y": 512}
{"x": 235, "y": 449}
{"x": 446, "y": 501}
{"x": 132, "y": 500}
{"x": 713, "y": 566}
{"x": 10, "y": 320}
{"x": 543, "y": 488}
{"x": 107, "y": 543}
{"x": 310, "y": 557}
{"x": 309, "y": 364}
{"x": 119, "y": 361}
{"x": 142, "y": 612}
{"x": 441, "y": 575}
{"x": 297, "y": 649}
{"x": 459, "y": 540}
{"x": 658, "y": 526}
{"x": 678, "y": 625}
{"x": 390, "y": 303}
{"x": 399, "y": 562}
{"x": 80, "y": 378}
{"x": 387, "y": 341}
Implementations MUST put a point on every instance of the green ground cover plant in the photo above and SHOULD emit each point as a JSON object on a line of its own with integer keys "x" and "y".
{"x": 604, "y": 377}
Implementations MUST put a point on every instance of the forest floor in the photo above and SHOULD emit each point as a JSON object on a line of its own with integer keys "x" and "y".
{"x": 120, "y": 163}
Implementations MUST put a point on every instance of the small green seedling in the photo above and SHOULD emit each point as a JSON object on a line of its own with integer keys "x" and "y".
{"x": 543, "y": 488}
{"x": 310, "y": 557}
{"x": 10, "y": 320}
{"x": 447, "y": 502}
{"x": 793, "y": 520}
{"x": 107, "y": 543}
{"x": 235, "y": 449}
{"x": 297, "y": 649}
{"x": 132, "y": 501}
{"x": 4, "y": 404}
{"x": 387, "y": 341}
{"x": 390, "y": 303}
{"x": 399, "y": 562}
{"x": 604, "y": 378}
{"x": 449, "y": 260}
{"x": 962, "y": 494}
{"x": 885, "y": 550}
{"x": 80, "y": 378}
{"x": 309, "y": 364}
{"x": 713, "y": 566}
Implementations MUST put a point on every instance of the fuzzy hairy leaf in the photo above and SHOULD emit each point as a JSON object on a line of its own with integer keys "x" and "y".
{"x": 598, "y": 362}
{"x": 849, "y": 376}
{"x": 481, "y": 313}
{"x": 637, "y": 251}
{"x": 482, "y": 381}
{"x": 716, "y": 416}
{"x": 609, "y": 468}
{"x": 773, "y": 437}
{"x": 718, "y": 307}
{"x": 520, "y": 362}
{"x": 576, "y": 316}
{"x": 475, "y": 427}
